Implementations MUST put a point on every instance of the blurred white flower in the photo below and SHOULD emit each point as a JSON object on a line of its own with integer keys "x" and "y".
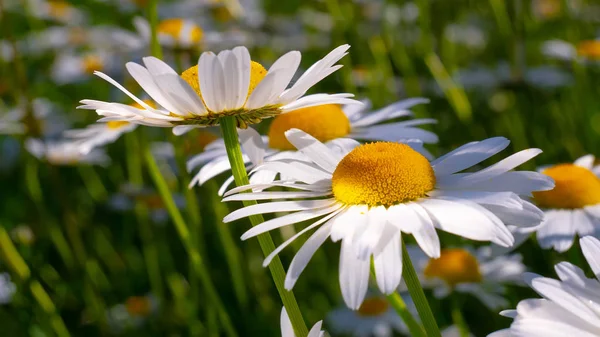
{"x": 99, "y": 134}
{"x": 65, "y": 153}
{"x": 71, "y": 67}
{"x": 7, "y": 288}
{"x": 476, "y": 272}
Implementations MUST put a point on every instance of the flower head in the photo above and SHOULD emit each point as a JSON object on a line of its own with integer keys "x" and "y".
{"x": 569, "y": 306}
{"x": 572, "y": 207}
{"x": 65, "y": 153}
{"x": 227, "y": 84}
{"x": 367, "y": 195}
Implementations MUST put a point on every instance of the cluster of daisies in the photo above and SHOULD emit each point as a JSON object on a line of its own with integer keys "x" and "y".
{"x": 363, "y": 177}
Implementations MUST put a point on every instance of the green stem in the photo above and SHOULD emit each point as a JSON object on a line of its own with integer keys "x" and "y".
{"x": 398, "y": 304}
{"x": 458, "y": 318}
{"x": 190, "y": 246}
{"x": 153, "y": 19}
{"x": 234, "y": 153}
{"x": 418, "y": 296}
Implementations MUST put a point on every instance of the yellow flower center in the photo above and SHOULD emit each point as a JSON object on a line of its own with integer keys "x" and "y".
{"x": 575, "y": 187}
{"x": 115, "y": 125}
{"x": 138, "y": 306}
{"x": 374, "y": 306}
{"x": 589, "y": 49}
{"x": 454, "y": 266}
{"x": 324, "y": 122}
{"x": 174, "y": 28}
{"x": 91, "y": 63}
{"x": 58, "y": 9}
{"x": 382, "y": 173}
{"x": 77, "y": 35}
{"x": 257, "y": 73}
{"x": 197, "y": 144}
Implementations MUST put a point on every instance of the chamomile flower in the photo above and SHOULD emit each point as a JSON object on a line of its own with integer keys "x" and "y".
{"x": 227, "y": 84}
{"x": 367, "y": 195}
{"x": 70, "y": 67}
{"x": 99, "y": 134}
{"x": 572, "y": 207}
{"x": 583, "y": 51}
{"x": 569, "y": 306}
{"x": 7, "y": 288}
{"x": 46, "y": 119}
{"x": 476, "y": 272}
{"x": 65, "y": 153}
{"x": 325, "y": 123}
{"x": 288, "y": 331}
{"x": 375, "y": 317}
{"x": 56, "y": 10}
{"x": 176, "y": 33}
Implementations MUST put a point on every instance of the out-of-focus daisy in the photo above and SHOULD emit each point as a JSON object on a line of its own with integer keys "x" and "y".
{"x": 569, "y": 305}
{"x": 476, "y": 272}
{"x": 132, "y": 313}
{"x": 55, "y": 10}
{"x": 546, "y": 9}
{"x": 468, "y": 35}
{"x": 572, "y": 207}
{"x": 65, "y": 153}
{"x": 23, "y": 234}
{"x": 584, "y": 51}
{"x": 45, "y": 119}
{"x": 130, "y": 195}
{"x": 71, "y": 67}
{"x": 99, "y": 134}
{"x": 7, "y": 288}
{"x": 375, "y": 317}
{"x": 172, "y": 33}
{"x": 325, "y": 123}
{"x": 227, "y": 84}
{"x": 288, "y": 331}
{"x": 367, "y": 195}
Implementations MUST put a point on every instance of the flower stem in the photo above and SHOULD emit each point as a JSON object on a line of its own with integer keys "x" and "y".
{"x": 418, "y": 296}
{"x": 153, "y": 19}
{"x": 189, "y": 244}
{"x": 458, "y": 318}
{"x": 398, "y": 304}
{"x": 234, "y": 153}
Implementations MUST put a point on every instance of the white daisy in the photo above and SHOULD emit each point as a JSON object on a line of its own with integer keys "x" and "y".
{"x": 288, "y": 331}
{"x": 70, "y": 67}
{"x": 46, "y": 119}
{"x": 476, "y": 272}
{"x": 7, "y": 288}
{"x": 375, "y": 317}
{"x": 227, "y": 84}
{"x": 572, "y": 207}
{"x": 369, "y": 194}
{"x": 584, "y": 51}
{"x": 325, "y": 123}
{"x": 570, "y": 306}
{"x": 99, "y": 134}
{"x": 65, "y": 153}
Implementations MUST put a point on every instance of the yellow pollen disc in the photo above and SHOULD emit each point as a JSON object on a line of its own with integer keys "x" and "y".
{"x": 374, "y": 306}
{"x": 257, "y": 73}
{"x": 138, "y": 306}
{"x": 575, "y": 187}
{"x": 115, "y": 125}
{"x": 91, "y": 63}
{"x": 382, "y": 173}
{"x": 58, "y": 9}
{"x": 324, "y": 122}
{"x": 454, "y": 266}
{"x": 171, "y": 27}
{"x": 589, "y": 49}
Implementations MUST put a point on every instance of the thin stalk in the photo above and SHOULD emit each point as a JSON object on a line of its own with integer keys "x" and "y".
{"x": 234, "y": 153}
{"x": 458, "y": 318}
{"x": 396, "y": 301}
{"x": 190, "y": 246}
{"x": 418, "y": 296}
{"x": 153, "y": 19}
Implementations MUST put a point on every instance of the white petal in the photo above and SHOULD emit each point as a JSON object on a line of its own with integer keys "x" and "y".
{"x": 181, "y": 129}
{"x": 388, "y": 266}
{"x": 314, "y": 149}
{"x": 391, "y": 111}
{"x": 263, "y": 91}
{"x": 353, "y": 274}
{"x": 586, "y": 161}
{"x": 368, "y": 241}
{"x": 557, "y": 231}
{"x": 469, "y": 155}
{"x": 206, "y": 65}
{"x": 591, "y": 250}
{"x": 281, "y": 206}
{"x": 287, "y": 330}
{"x": 243, "y": 66}
{"x": 252, "y": 145}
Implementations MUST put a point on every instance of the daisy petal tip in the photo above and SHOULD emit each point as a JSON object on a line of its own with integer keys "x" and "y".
{"x": 529, "y": 278}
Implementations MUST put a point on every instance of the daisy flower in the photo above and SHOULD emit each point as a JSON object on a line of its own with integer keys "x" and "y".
{"x": 583, "y": 51}
{"x": 65, "y": 153}
{"x": 227, "y": 84}
{"x": 325, "y": 123}
{"x": 569, "y": 305}
{"x": 476, "y": 272}
{"x": 572, "y": 207}
{"x": 70, "y": 67}
{"x": 177, "y": 33}
{"x": 46, "y": 119}
{"x": 7, "y": 288}
{"x": 367, "y": 195}
{"x": 288, "y": 331}
{"x": 375, "y": 317}
{"x": 99, "y": 134}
